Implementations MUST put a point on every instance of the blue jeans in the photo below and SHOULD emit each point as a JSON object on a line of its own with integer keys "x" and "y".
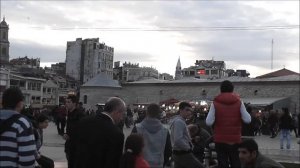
{"x": 285, "y": 134}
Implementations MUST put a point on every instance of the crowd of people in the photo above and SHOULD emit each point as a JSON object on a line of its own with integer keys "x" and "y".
{"x": 97, "y": 139}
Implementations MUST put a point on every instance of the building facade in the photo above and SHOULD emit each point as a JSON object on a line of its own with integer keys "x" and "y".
{"x": 87, "y": 58}
{"x": 4, "y": 42}
{"x": 206, "y": 69}
{"x": 263, "y": 91}
{"x": 59, "y": 68}
{"x": 130, "y": 72}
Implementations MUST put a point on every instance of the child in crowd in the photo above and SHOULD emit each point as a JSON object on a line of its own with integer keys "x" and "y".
{"x": 132, "y": 157}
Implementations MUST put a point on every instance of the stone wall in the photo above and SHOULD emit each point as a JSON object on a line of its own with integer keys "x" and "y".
{"x": 156, "y": 92}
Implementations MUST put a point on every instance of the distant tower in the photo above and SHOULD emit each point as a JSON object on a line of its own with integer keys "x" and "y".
{"x": 4, "y": 43}
{"x": 178, "y": 72}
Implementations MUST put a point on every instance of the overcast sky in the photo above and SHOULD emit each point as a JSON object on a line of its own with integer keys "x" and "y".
{"x": 156, "y": 33}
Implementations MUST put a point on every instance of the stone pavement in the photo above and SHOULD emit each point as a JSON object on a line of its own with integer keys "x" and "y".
{"x": 54, "y": 147}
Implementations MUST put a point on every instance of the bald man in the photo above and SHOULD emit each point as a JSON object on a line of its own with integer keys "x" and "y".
{"x": 100, "y": 140}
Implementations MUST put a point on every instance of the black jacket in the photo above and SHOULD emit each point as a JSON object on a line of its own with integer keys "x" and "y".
{"x": 100, "y": 143}
{"x": 286, "y": 122}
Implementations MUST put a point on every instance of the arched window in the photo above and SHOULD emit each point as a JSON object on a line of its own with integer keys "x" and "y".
{"x": 85, "y": 99}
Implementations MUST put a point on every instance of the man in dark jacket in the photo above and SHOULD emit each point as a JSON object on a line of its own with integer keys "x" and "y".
{"x": 285, "y": 126}
{"x": 101, "y": 141}
{"x": 227, "y": 113}
{"x": 251, "y": 158}
{"x": 73, "y": 117}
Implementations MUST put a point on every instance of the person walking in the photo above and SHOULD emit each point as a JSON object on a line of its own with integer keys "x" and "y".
{"x": 226, "y": 114}
{"x": 158, "y": 149}
{"x": 133, "y": 154}
{"x": 73, "y": 117}
{"x": 61, "y": 113}
{"x": 285, "y": 126}
{"x": 100, "y": 142}
{"x": 181, "y": 140}
{"x": 17, "y": 145}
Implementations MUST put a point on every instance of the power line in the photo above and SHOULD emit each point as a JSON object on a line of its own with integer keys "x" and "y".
{"x": 193, "y": 28}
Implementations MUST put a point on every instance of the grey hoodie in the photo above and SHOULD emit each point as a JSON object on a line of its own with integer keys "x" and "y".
{"x": 155, "y": 137}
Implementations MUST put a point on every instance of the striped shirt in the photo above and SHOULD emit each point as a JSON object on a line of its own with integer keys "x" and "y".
{"x": 17, "y": 145}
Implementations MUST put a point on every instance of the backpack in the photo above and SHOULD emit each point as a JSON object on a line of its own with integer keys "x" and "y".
{"x": 6, "y": 124}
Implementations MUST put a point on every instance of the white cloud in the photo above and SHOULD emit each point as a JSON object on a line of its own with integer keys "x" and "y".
{"x": 39, "y": 23}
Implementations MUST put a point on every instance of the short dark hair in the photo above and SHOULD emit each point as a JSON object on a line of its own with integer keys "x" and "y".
{"x": 226, "y": 86}
{"x": 41, "y": 118}
{"x": 135, "y": 143}
{"x": 182, "y": 105}
{"x": 73, "y": 98}
{"x": 133, "y": 147}
{"x": 249, "y": 144}
{"x": 112, "y": 103}
{"x": 11, "y": 97}
{"x": 153, "y": 110}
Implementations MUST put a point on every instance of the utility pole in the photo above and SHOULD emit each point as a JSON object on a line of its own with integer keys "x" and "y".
{"x": 272, "y": 55}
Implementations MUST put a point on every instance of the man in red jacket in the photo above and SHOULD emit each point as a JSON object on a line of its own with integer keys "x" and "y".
{"x": 226, "y": 114}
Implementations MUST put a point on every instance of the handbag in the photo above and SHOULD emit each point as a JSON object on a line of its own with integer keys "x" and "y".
{"x": 45, "y": 162}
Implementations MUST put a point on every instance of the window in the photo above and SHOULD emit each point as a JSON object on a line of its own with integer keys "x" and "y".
{"x": 207, "y": 72}
{"x": 85, "y": 99}
{"x": 214, "y": 72}
{"x": 48, "y": 90}
{"x": 3, "y": 51}
{"x": 4, "y": 35}
{"x": 22, "y": 83}
{"x": 38, "y": 86}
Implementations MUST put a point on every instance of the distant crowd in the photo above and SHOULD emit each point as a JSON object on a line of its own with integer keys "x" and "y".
{"x": 185, "y": 139}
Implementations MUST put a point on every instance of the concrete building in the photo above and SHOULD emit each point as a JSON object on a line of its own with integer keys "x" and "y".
{"x": 165, "y": 76}
{"x": 50, "y": 94}
{"x": 206, "y": 69}
{"x": 32, "y": 89}
{"x": 87, "y": 58}
{"x": 59, "y": 68}
{"x": 4, "y": 42}
{"x": 130, "y": 72}
{"x": 239, "y": 72}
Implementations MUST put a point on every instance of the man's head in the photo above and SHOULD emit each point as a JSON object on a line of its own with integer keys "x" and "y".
{"x": 226, "y": 87}
{"x": 185, "y": 110}
{"x": 43, "y": 121}
{"x": 71, "y": 102}
{"x": 154, "y": 111}
{"x": 12, "y": 99}
{"x": 116, "y": 108}
{"x": 248, "y": 151}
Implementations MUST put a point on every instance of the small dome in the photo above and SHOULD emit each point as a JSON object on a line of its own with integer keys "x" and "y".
{"x": 3, "y": 23}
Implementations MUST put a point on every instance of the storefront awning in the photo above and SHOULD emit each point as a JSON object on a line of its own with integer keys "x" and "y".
{"x": 263, "y": 101}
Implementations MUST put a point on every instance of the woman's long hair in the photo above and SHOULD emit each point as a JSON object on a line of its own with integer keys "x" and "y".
{"x": 133, "y": 147}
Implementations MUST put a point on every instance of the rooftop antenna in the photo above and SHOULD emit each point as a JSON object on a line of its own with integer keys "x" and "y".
{"x": 272, "y": 55}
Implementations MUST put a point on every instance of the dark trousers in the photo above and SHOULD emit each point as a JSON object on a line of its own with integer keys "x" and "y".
{"x": 227, "y": 155}
{"x": 60, "y": 125}
{"x": 70, "y": 150}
